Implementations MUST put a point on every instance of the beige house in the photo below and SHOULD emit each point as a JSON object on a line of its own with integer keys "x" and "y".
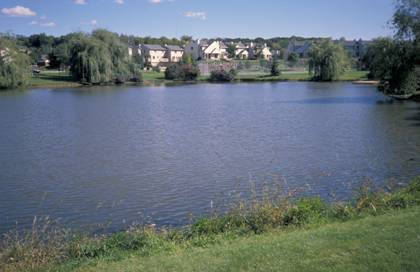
{"x": 174, "y": 53}
{"x": 154, "y": 54}
{"x": 260, "y": 52}
{"x": 241, "y": 51}
{"x": 202, "y": 50}
{"x": 134, "y": 50}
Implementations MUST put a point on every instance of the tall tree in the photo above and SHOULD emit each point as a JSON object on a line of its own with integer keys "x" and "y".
{"x": 327, "y": 60}
{"x": 14, "y": 65}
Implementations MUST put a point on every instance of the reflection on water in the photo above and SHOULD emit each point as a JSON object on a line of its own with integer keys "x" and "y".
{"x": 121, "y": 154}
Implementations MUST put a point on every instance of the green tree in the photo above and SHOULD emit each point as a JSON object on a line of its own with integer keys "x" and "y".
{"x": 187, "y": 59}
{"x": 231, "y": 50}
{"x": 293, "y": 59}
{"x": 100, "y": 58}
{"x": 327, "y": 60}
{"x": 396, "y": 62}
{"x": 275, "y": 71}
{"x": 14, "y": 65}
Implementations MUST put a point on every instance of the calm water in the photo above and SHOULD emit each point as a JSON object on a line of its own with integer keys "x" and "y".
{"x": 90, "y": 156}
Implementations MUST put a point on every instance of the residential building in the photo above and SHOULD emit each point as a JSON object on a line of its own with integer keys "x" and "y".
{"x": 260, "y": 52}
{"x": 174, "y": 53}
{"x": 301, "y": 48}
{"x": 241, "y": 51}
{"x": 43, "y": 61}
{"x": 356, "y": 48}
{"x": 203, "y": 50}
{"x": 154, "y": 54}
{"x": 134, "y": 50}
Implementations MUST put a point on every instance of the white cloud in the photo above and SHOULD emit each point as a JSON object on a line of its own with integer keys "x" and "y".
{"x": 80, "y": 2}
{"x": 155, "y": 1}
{"x": 94, "y": 22}
{"x": 47, "y": 24}
{"x": 18, "y": 11}
{"x": 196, "y": 14}
{"x": 119, "y": 2}
{"x": 43, "y": 24}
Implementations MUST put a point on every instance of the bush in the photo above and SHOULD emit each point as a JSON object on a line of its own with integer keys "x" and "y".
{"x": 183, "y": 72}
{"x": 222, "y": 76}
{"x": 275, "y": 71}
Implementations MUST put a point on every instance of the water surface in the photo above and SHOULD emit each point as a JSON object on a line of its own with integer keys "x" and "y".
{"x": 123, "y": 154}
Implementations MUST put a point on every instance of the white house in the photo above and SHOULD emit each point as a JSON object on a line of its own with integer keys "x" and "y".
{"x": 134, "y": 50}
{"x": 154, "y": 54}
{"x": 241, "y": 51}
{"x": 202, "y": 50}
{"x": 260, "y": 52}
{"x": 174, "y": 53}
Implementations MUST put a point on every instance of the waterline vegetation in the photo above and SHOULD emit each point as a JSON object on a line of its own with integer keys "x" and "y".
{"x": 55, "y": 249}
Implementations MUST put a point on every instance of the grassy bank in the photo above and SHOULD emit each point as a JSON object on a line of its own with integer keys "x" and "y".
{"x": 388, "y": 242}
{"x": 242, "y": 239}
{"x": 56, "y": 79}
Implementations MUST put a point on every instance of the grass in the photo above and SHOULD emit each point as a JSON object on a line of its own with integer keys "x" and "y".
{"x": 52, "y": 78}
{"x": 351, "y": 75}
{"x": 55, "y": 79}
{"x": 47, "y": 248}
{"x": 390, "y": 242}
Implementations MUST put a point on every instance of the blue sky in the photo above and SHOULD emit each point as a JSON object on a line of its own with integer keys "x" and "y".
{"x": 201, "y": 18}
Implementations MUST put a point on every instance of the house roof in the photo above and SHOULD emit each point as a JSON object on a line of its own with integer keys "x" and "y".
{"x": 223, "y": 45}
{"x": 240, "y": 45}
{"x": 174, "y": 48}
{"x": 155, "y": 47}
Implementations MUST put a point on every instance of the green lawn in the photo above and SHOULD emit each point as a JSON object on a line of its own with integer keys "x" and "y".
{"x": 352, "y": 75}
{"x": 149, "y": 76}
{"x": 52, "y": 78}
{"x": 389, "y": 242}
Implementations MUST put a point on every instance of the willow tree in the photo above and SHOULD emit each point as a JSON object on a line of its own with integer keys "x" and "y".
{"x": 14, "y": 65}
{"x": 101, "y": 58}
{"x": 327, "y": 60}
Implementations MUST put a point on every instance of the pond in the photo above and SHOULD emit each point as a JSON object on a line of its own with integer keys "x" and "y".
{"x": 117, "y": 155}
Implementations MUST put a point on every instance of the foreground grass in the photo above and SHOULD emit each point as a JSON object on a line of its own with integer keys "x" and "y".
{"x": 390, "y": 242}
{"x": 276, "y": 213}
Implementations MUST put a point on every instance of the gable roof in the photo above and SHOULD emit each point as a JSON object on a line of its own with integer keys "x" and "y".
{"x": 155, "y": 47}
{"x": 174, "y": 48}
{"x": 240, "y": 45}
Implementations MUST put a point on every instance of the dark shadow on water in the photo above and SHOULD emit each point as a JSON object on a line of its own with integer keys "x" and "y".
{"x": 338, "y": 100}
{"x": 414, "y": 117}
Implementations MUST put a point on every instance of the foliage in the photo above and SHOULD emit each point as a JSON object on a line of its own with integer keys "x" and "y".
{"x": 327, "y": 60}
{"x": 222, "y": 75}
{"x": 188, "y": 59}
{"x": 14, "y": 65}
{"x": 101, "y": 58}
{"x": 395, "y": 62}
{"x": 47, "y": 244}
{"x": 231, "y": 51}
{"x": 275, "y": 71}
{"x": 184, "y": 72}
{"x": 293, "y": 58}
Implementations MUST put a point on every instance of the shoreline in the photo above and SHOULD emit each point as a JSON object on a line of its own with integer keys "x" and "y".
{"x": 56, "y": 248}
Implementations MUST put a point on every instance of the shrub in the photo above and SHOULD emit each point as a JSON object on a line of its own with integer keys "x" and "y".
{"x": 275, "y": 71}
{"x": 222, "y": 75}
{"x": 183, "y": 72}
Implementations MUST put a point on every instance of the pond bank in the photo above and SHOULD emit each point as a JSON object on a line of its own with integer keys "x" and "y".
{"x": 286, "y": 225}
